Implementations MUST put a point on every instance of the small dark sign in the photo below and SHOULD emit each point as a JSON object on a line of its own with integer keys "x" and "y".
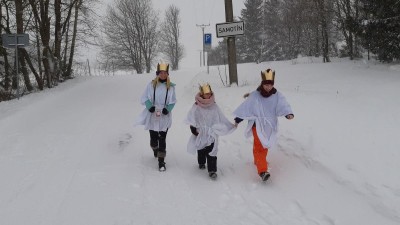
{"x": 14, "y": 40}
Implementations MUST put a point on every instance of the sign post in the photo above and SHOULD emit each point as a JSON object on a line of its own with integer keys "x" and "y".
{"x": 202, "y": 28}
{"x": 15, "y": 41}
{"x": 207, "y": 47}
{"x": 229, "y": 30}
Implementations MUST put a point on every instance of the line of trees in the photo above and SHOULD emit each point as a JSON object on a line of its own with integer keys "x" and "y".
{"x": 134, "y": 37}
{"x": 285, "y": 29}
{"x": 56, "y": 28}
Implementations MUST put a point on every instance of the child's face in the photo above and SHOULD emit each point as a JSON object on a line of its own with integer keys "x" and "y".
{"x": 267, "y": 87}
{"x": 163, "y": 75}
{"x": 207, "y": 95}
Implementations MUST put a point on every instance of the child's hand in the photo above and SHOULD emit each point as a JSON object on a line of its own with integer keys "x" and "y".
{"x": 289, "y": 117}
{"x": 152, "y": 109}
{"x": 165, "y": 111}
{"x": 194, "y": 130}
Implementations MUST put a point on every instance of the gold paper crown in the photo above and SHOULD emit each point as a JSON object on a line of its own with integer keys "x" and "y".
{"x": 204, "y": 89}
{"x": 162, "y": 67}
{"x": 268, "y": 75}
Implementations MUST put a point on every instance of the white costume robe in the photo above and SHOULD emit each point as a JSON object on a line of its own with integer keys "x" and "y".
{"x": 264, "y": 112}
{"x": 210, "y": 123}
{"x": 150, "y": 120}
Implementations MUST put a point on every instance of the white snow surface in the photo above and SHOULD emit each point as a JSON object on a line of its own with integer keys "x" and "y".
{"x": 71, "y": 155}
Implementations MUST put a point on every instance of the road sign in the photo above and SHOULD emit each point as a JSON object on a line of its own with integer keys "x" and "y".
{"x": 207, "y": 39}
{"x": 229, "y": 29}
{"x": 207, "y": 42}
{"x": 15, "y": 40}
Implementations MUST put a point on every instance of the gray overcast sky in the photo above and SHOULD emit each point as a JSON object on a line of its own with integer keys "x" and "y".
{"x": 193, "y": 12}
{"x": 199, "y": 12}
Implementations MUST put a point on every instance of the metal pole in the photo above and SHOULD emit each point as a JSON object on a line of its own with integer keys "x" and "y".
{"x": 202, "y": 28}
{"x": 208, "y": 65}
{"x": 200, "y": 57}
{"x": 204, "y": 49}
{"x": 16, "y": 63}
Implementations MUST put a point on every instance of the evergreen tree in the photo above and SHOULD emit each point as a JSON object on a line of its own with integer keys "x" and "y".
{"x": 218, "y": 55}
{"x": 273, "y": 33}
{"x": 251, "y": 40}
{"x": 380, "y": 28}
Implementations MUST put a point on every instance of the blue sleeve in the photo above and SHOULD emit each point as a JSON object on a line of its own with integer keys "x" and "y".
{"x": 170, "y": 107}
{"x": 148, "y": 104}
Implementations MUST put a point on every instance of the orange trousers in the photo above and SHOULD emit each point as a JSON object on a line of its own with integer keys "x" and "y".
{"x": 260, "y": 153}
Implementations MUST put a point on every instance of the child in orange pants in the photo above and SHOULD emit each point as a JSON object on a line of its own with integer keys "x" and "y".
{"x": 262, "y": 109}
{"x": 260, "y": 153}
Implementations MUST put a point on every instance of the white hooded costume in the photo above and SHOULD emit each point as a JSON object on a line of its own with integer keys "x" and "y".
{"x": 264, "y": 112}
{"x": 210, "y": 123}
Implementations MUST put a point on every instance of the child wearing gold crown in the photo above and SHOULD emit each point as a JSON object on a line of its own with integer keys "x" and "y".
{"x": 207, "y": 123}
{"x": 262, "y": 109}
{"x": 159, "y": 98}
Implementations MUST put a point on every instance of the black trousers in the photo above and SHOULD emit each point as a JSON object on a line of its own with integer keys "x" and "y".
{"x": 203, "y": 157}
{"x": 158, "y": 141}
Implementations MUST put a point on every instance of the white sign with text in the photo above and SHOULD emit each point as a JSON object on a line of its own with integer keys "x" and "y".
{"x": 229, "y": 29}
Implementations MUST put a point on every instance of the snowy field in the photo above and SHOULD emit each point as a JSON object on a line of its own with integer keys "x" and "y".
{"x": 71, "y": 155}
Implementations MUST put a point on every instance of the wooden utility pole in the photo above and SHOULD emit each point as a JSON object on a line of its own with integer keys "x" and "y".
{"x": 231, "y": 45}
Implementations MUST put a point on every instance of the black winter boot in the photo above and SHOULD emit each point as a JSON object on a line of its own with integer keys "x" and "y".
{"x": 213, "y": 175}
{"x": 265, "y": 176}
{"x": 161, "y": 165}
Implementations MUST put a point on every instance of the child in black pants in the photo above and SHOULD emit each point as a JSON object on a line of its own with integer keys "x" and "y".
{"x": 207, "y": 123}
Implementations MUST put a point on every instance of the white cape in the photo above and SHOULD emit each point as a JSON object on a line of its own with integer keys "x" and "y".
{"x": 210, "y": 123}
{"x": 152, "y": 121}
{"x": 264, "y": 112}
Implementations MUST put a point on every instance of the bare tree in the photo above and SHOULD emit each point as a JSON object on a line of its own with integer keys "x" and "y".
{"x": 324, "y": 10}
{"x": 74, "y": 33}
{"x": 119, "y": 47}
{"x": 5, "y": 81}
{"x": 170, "y": 34}
{"x": 19, "y": 9}
{"x": 42, "y": 16}
{"x": 146, "y": 29}
{"x": 130, "y": 29}
{"x": 347, "y": 13}
{"x": 55, "y": 28}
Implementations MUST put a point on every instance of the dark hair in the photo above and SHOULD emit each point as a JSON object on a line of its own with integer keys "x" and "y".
{"x": 267, "y": 82}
